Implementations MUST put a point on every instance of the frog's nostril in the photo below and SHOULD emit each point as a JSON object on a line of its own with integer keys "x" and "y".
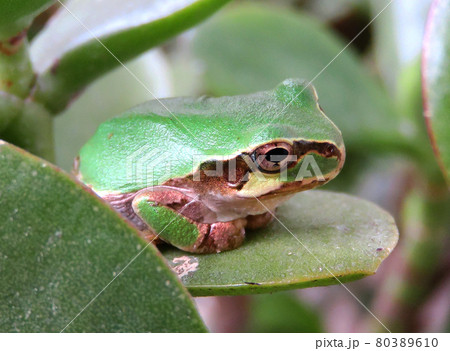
{"x": 330, "y": 151}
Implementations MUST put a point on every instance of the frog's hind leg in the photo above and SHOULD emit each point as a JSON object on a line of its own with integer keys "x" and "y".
{"x": 186, "y": 234}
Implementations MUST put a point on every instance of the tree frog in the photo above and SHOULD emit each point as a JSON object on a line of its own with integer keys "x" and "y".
{"x": 198, "y": 173}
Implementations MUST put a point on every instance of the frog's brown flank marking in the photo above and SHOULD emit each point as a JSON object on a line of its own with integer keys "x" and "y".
{"x": 234, "y": 175}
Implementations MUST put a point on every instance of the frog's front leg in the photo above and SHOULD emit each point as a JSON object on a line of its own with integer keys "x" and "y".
{"x": 172, "y": 226}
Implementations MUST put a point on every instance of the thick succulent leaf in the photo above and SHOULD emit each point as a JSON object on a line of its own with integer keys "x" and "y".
{"x": 68, "y": 56}
{"x": 436, "y": 81}
{"x": 18, "y": 14}
{"x": 253, "y": 47}
{"x": 61, "y": 246}
{"x": 319, "y": 236}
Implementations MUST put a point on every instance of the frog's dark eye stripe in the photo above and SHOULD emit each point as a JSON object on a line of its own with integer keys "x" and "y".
{"x": 277, "y": 156}
{"x": 273, "y": 157}
{"x": 302, "y": 147}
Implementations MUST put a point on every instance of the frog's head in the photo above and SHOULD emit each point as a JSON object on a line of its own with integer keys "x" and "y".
{"x": 291, "y": 144}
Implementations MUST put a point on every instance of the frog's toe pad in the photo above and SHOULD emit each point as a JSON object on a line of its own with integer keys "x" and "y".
{"x": 221, "y": 236}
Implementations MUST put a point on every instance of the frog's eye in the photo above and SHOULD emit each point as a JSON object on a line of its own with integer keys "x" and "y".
{"x": 273, "y": 157}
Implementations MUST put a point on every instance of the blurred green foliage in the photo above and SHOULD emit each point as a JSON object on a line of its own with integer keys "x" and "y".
{"x": 282, "y": 313}
{"x": 436, "y": 78}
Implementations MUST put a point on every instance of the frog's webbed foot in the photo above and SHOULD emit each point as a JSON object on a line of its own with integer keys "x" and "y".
{"x": 224, "y": 236}
{"x": 220, "y": 236}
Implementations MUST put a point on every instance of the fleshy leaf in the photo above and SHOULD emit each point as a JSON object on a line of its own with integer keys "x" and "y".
{"x": 61, "y": 246}
{"x": 322, "y": 235}
{"x": 68, "y": 56}
{"x": 436, "y": 81}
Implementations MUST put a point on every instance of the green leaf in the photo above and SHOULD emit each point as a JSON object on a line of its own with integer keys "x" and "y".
{"x": 253, "y": 47}
{"x": 18, "y": 14}
{"x": 68, "y": 57}
{"x": 319, "y": 236}
{"x": 436, "y": 81}
{"x": 61, "y": 246}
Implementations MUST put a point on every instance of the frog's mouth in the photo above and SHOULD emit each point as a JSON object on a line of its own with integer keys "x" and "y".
{"x": 295, "y": 187}
{"x": 291, "y": 188}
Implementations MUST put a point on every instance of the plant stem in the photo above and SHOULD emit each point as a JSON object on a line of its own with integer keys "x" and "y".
{"x": 32, "y": 130}
{"x": 16, "y": 72}
{"x": 22, "y": 122}
{"x": 10, "y": 108}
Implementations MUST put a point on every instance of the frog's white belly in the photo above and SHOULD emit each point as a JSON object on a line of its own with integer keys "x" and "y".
{"x": 224, "y": 208}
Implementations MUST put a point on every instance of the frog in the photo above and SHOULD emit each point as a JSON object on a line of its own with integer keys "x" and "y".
{"x": 198, "y": 173}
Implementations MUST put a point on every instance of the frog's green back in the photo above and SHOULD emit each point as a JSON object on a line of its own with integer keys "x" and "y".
{"x": 149, "y": 145}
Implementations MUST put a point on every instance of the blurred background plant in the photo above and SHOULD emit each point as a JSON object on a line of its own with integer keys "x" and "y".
{"x": 372, "y": 91}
